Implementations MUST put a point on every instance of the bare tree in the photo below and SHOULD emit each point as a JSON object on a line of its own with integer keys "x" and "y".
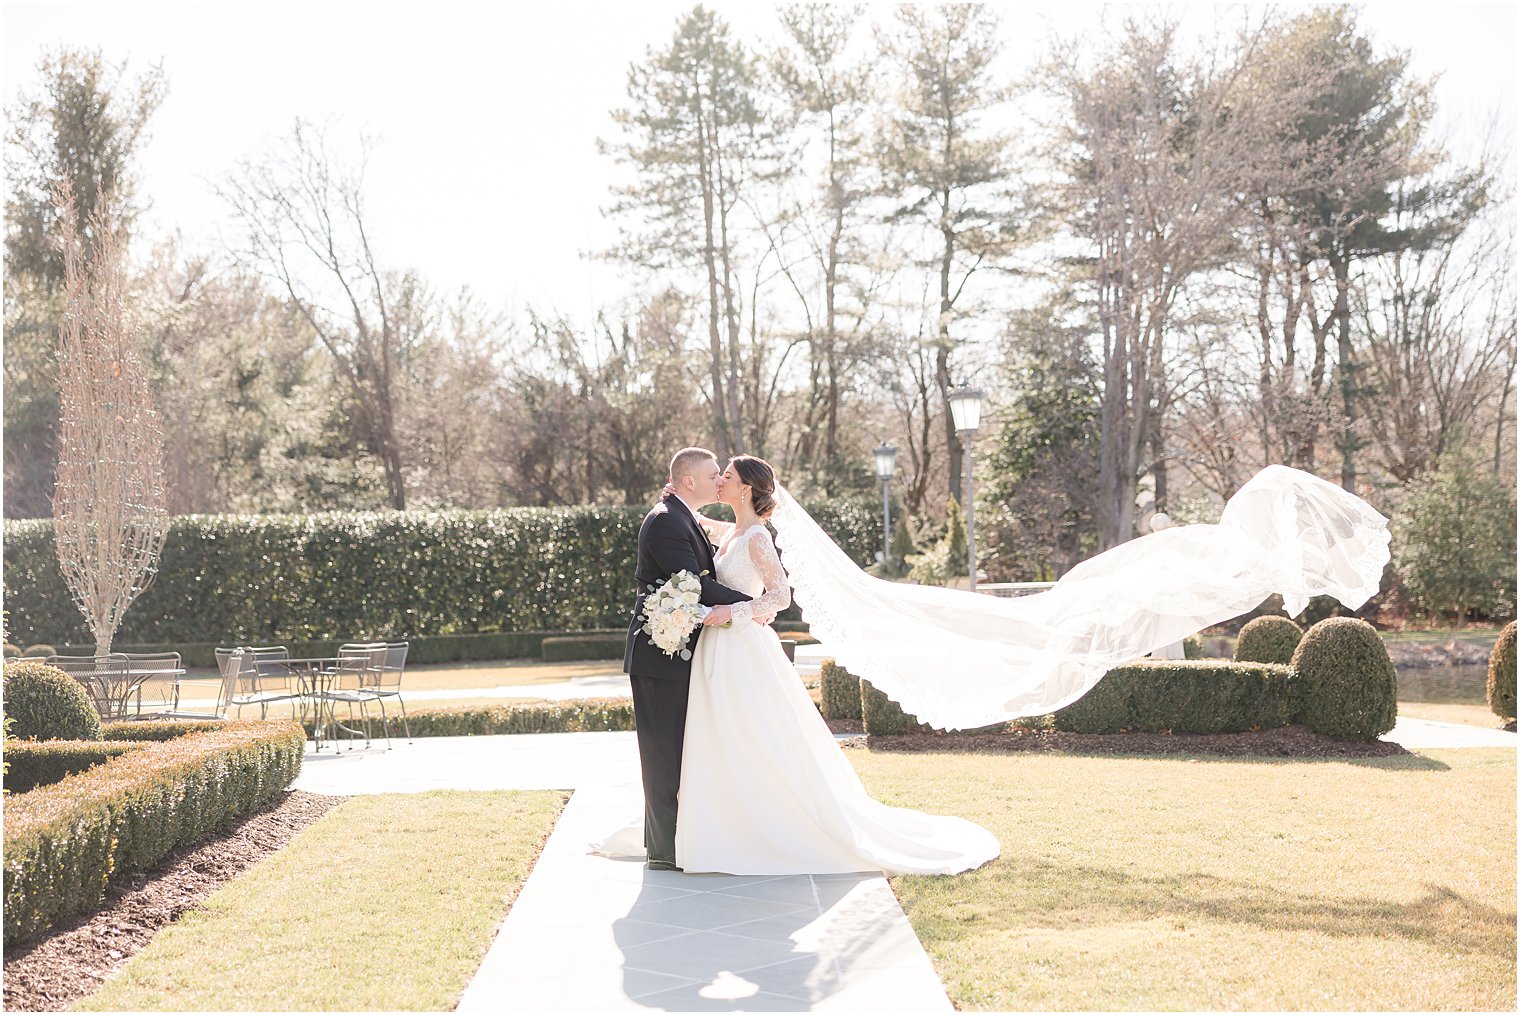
{"x": 307, "y": 231}
{"x": 1166, "y": 142}
{"x": 1439, "y": 322}
{"x": 952, "y": 175}
{"x": 696, "y": 135}
{"x": 108, "y": 503}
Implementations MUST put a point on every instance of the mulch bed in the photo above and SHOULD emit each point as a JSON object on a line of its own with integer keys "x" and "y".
{"x": 1284, "y": 742}
{"x": 52, "y": 972}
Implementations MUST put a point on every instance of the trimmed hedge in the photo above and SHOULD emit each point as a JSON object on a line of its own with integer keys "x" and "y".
{"x": 1501, "y": 674}
{"x": 566, "y": 648}
{"x": 1184, "y": 696}
{"x": 840, "y": 691}
{"x": 161, "y": 729}
{"x": 46, "y": 703}
{"x": 1348, "y": 686}
{"x": 64, "y": 842}
{"x": 881, "y": 715}
{"x": 589, "y": 715}
{"x": 257, "y": 579}
{"x": 1268, "y": 639}
{"x": 30, "y": 764}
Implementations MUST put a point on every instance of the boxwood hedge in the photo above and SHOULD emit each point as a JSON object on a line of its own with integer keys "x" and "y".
{"x": 1184, "y": 696}
{"x": 64, "y": 842}
{"x": 32, "y": 763}
{"x": 841, "y": 691}
{"x": 254, "y": 579}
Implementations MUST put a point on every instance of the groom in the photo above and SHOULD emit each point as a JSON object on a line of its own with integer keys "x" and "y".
{"x": 670, "y": 540}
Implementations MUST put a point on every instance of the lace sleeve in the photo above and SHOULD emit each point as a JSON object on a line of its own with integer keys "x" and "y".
{"x": 778, "y": 594}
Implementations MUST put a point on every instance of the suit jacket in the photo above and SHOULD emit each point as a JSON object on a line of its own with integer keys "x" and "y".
{"x": 670, "y": 540}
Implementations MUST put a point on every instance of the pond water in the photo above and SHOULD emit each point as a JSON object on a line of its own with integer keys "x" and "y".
{"x": 1444, "y": 685}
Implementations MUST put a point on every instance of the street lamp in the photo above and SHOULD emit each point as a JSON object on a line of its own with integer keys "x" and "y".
{"x": 886, "y": 465}
{"x": 966, "y": 412}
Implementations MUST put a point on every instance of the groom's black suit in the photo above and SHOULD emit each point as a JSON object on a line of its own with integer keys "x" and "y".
{"x": 670, "y": 540}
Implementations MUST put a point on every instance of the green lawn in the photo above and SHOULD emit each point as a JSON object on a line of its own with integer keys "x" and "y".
{"x": 386, "y": 903}
{"x": 1151, "y": 883}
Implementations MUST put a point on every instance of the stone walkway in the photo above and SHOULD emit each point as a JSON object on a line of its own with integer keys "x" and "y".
{"x": 589, "y": 933}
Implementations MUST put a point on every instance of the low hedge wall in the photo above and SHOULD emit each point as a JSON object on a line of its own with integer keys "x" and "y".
{"x": 588, "y": 715}
{"x": 159, "y": 730}
{"x": 438, "y": 649}
{"x": 64, "y": 842}
{"x": 34, "y": 763}
{"x": 567, "y": 648}
{"x": 1185, "y": 696}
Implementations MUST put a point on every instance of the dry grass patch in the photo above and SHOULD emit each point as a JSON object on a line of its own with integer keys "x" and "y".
{"x": 1175, "y": 883}
{"x": 387, "y": 903}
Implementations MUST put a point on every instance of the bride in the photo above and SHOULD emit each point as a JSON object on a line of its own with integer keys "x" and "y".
{"x": 765, "y": 788}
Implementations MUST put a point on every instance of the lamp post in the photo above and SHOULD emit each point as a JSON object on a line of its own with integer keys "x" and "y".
{"x": 886, "y": 464}
{"x": 966, "y": 412}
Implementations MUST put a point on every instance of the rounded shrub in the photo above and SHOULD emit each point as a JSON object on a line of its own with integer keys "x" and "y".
{"x": 1347, "y": 685}
{"x": 1501, "y": 674}
{"x": 12, "y": 651}
{"x": 46, "y": 703}
{"x": 39, "y": 651}
{"x": 1268, "y": 639}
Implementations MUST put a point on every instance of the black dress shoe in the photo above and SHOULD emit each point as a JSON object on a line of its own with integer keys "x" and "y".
{"x": 662, "y": 865}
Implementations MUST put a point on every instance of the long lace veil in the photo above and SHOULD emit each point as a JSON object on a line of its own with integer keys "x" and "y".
{"x": 960, "y": 660}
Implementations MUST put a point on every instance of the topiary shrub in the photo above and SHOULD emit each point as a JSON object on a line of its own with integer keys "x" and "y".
{"x": 1268, "y": 640}
{"x": 39, "y": 652}
{"x": 841, "y": 691}
{"x": 12, "y": 651}
{"x": 48, "y": 704}
{"x": 1501, "y": 674}
{"x": 1347, "y": 684}
{"x": 881, "y": 715}
{"x": 1192, "y": 646}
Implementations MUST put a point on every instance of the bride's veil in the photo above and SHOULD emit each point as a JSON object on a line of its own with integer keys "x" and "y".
{"x": 959, "y": 660}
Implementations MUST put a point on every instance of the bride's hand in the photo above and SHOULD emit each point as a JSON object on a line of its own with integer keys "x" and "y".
{"x": 718, "y": 616}
{"x": 668, "y": 491}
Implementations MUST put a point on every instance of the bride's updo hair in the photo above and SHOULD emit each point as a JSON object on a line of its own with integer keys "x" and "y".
{"x": 757, "y": 474}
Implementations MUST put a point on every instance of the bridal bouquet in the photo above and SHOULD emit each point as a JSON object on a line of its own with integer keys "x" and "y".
{"x": 672, "y": 612}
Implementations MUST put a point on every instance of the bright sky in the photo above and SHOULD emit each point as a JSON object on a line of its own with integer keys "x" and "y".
{"x": 486, "y": 171}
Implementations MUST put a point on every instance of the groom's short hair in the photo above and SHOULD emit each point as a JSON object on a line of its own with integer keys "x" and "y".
{"x": 687, "y": 459}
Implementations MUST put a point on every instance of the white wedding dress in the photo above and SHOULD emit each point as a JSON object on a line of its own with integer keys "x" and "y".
{"x": 765, "y": 788}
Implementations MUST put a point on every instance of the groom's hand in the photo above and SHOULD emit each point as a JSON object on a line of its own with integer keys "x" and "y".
{"x": 765, "y": 618}
{"x": 718, "y": 616}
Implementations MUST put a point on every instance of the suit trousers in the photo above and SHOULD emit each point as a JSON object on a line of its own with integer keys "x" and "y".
{"x": 659, "y": 710}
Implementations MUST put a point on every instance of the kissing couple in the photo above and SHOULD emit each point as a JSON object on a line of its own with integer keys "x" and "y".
{"x": 741, "y": 774}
